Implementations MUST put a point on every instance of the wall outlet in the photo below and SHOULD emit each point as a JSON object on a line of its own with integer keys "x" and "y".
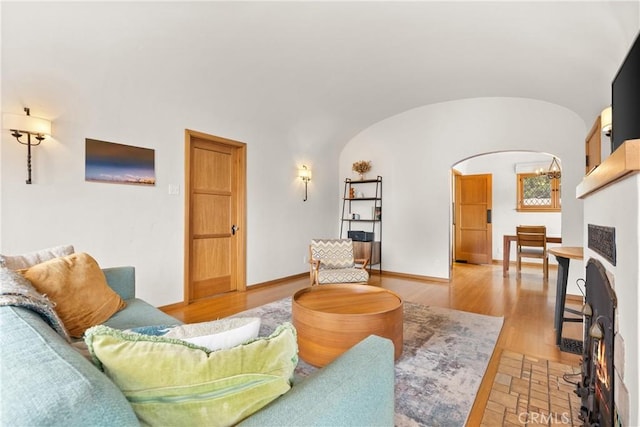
{"x": 173, "y": 189}
{"x": 304, "y": 259}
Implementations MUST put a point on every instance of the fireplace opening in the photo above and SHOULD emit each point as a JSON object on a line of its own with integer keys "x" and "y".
{"x": 596, "y": 388}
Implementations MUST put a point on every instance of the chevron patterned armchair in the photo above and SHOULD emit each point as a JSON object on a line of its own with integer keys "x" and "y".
{"x": 332, "y": 261}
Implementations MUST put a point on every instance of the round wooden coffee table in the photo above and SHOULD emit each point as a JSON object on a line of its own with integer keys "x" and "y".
{"x": 331, "y": 319}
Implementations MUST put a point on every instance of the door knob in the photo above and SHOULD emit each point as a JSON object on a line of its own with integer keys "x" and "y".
{"x": 234, "y": 228}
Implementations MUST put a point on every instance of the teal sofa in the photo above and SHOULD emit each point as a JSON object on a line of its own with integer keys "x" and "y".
{"x": 44, "y": 381}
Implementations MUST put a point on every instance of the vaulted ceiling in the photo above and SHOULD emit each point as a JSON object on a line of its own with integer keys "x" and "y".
{"x": 338, "y": 65}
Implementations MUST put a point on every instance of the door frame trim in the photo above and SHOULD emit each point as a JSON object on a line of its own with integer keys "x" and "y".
{"x": 452, "y": 212}
{"x": 241, "y": 209}
{"x": 456, "y": 222}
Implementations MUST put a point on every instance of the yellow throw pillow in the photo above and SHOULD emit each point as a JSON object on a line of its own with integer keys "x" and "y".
{"x": 79, "y": 289}
{"x": 175, "y": 383}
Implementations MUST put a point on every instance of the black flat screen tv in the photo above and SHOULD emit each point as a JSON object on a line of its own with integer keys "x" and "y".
{"x": 625, "y": 99}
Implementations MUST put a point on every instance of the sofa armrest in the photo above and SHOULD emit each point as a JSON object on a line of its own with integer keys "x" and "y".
{"x": 46, "y": 382}
{"x": 122, "y": 280}
{"x": 356, "y": 389}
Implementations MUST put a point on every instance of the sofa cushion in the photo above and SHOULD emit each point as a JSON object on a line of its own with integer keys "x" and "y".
{"x": 45, "y": 382}
{"x": 79, "y": 290}
{"x": 215, "y": 335}
{"x": 172, "y": 382}
{"x": 18, "y": 262}
{"x": 122, "y": 280}
{"x": 356, "y": 389}
{"x": 344, "y": 275}
{"x": 139, "y": 313}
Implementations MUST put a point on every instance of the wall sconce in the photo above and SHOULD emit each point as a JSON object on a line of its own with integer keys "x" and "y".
{"x": 29, "y": 125}
{"x": 304, "y": 174}
{"x": 553, "y": 171}
{"x": 606, "y": 121}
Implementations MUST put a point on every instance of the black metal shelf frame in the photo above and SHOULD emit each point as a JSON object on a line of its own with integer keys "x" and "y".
{"x": 376, "y": 204}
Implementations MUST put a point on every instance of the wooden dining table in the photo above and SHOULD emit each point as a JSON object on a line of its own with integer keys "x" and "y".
{"x": 506, "y": 249}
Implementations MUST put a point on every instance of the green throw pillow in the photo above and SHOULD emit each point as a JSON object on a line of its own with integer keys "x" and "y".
{"x": 172, "y": 382}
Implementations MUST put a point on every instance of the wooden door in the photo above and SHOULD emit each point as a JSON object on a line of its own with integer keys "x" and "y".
{"x": 215, "y": 216}
{"x": 473, "y": 219}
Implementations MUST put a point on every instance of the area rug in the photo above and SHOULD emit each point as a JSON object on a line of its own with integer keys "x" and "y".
{"x": 445, "y": 355}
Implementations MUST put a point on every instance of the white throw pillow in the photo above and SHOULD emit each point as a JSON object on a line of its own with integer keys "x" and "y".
{"x": 19, "y": 262}
{"x": 215, "y": 335}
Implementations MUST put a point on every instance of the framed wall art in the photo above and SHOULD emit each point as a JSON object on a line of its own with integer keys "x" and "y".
{"x": 119, "y": 163}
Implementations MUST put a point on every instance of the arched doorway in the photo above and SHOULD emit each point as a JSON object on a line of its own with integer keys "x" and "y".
{"x": 503, "y": 168}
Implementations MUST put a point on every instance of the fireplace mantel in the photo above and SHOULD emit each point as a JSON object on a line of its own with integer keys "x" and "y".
{"x": 624, "y": 161}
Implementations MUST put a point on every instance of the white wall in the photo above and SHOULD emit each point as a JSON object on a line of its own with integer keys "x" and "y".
{"x": 143, "y": 226}
{"x": 85, "y": 66}
{"x": 414, "y": 152}
{"x": 624, "y": 196}
{"x": 121, "y": 91}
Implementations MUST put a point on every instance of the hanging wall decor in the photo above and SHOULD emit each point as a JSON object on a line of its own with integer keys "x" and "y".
{"x": 118, "y": 163}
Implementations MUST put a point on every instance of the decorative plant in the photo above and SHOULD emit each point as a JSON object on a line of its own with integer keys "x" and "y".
{"x": 362, "y": 167}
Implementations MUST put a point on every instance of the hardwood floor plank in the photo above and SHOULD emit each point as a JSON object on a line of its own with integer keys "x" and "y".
{"x": 527, "y": 305}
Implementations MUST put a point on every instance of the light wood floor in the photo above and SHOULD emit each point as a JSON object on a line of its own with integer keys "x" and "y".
{"x": 527, "y": 305}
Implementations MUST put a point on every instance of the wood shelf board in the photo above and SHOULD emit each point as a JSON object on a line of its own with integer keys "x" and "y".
{"x": 623, "y": 161}
{"x": 363, "y": 181}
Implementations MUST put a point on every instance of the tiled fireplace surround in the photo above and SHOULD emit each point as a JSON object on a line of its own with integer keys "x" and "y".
{"x": 611, "y": 196}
